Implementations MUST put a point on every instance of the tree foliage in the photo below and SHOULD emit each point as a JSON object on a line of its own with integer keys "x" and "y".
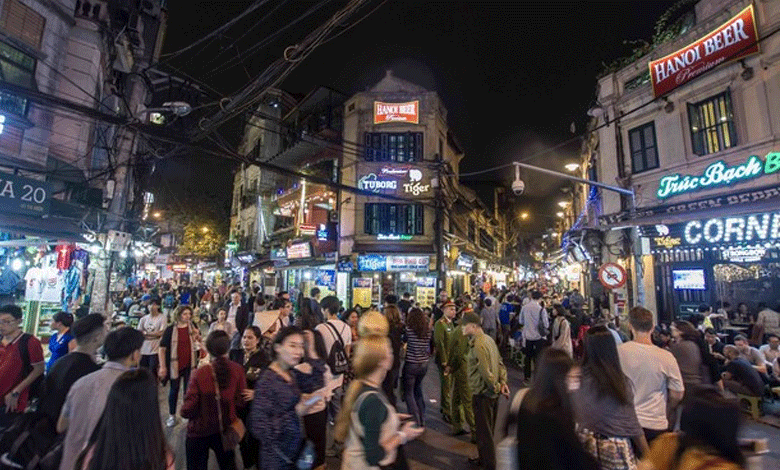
{"x": 202, "y": 240}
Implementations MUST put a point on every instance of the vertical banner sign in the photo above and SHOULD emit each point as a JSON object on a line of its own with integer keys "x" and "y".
{"x": 737, "y": 38}
{"x": 396, "y": 112}
{"x": 361, "y": 291}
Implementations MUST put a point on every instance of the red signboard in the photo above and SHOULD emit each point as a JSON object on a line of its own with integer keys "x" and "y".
{"x": 736, "y": 39}
{"x": 397, "y": 112}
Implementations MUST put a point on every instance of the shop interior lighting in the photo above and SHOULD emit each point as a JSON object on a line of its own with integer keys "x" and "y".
{"x": 572, "y": 166}
{"x": 17, "y": 264}
{"x": 123, "y": 254}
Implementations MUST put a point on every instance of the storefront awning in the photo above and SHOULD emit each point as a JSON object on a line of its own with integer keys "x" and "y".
{"x": 49, "y": 228}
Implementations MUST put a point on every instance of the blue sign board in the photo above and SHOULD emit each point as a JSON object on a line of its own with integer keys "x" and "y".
{"x": 372, "y": 263}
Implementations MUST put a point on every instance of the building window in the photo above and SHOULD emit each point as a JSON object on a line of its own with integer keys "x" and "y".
{"x": 644, "y": 151}
{"x": 472, "y": 231}
{"x": 393, "y": 146}
{"x": 22, "y": 22}
{"x": 712, "y": 124}
{"x": 16, "y": 68}
{"x": 486, "y": 241}
{"x": 394, "y": 219}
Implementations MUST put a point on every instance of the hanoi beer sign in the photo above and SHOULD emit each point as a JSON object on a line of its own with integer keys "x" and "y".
{"x": 397, "y": 112}
{"x": 735, "y": 39}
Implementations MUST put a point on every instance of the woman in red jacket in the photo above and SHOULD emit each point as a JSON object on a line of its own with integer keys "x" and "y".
{"x": 200, "y": 405}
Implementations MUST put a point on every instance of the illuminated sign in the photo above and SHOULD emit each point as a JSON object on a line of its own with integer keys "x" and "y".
{"x": 763, "y": 227}
{"x": 371, "y": 182}
{"x": 278, "y": 254}
{"x": 744, "y": 254}
{"x": 393, "y": 237}
{"x": 719, "y": 174}
{"x": 465, "y": 262}
{"x": 24, "y": 195}
{"x": 396, "y": 112}
{"x": 307, "y": 229}
{"x": 735, "y": 39}
{"x": 322, "y": 233}
{"x": 667, "y": 242}
{"x": 299, "y": 250}
{"x": 374, "y": 262}
{"x": 179, "y": 268}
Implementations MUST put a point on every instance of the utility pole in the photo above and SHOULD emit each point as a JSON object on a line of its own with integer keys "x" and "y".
{"x": 115, "y": 220}
{"x": 441, "y": 269}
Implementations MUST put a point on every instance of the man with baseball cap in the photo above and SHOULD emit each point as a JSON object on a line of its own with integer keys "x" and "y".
{"x": 442, "y": 338}
{"x": 487, "y": 380}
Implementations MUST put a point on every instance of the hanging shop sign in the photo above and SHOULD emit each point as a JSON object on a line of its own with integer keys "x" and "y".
{"x": 278, "y": 254}
{"x": 346, "y": 266}
{"x": 406, "y": 181}
{"x": 752, "y": 228}
{"x": 425, "y": 291}
{"x": 307, "y": 230}
{"x": 21, "y": 195}
{"x": 396, "y": 112}
{"x": 299, "y": 251}
{"x": 465, "y": 262}
{"x": 178, "y": 268}
{"x": 768, "y": 193}
{"x": 719, "y": 174}
{"x": 734, "y": 40}
{"x": 372, "y": 263}
{"x": 612, "y": 276}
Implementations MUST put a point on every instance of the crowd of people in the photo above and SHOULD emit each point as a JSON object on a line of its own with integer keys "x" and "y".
{"x": 287, "y": 389}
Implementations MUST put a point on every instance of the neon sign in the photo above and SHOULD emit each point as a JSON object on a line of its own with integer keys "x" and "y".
{"x": 719, "y": 174}
{"x": 733, "y": 229}
{"x": 372, "y": 183}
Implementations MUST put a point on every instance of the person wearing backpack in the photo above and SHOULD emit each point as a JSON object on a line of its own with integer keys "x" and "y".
{"x": 536, "y": 328}
{"x": 21, "y": 364}
{"x": 337, "y": 336}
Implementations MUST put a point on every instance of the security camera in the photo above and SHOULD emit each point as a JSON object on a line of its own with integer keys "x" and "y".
{"x": 518, "y": 187}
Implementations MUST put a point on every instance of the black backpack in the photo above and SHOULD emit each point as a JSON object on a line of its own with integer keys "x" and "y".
{"x": 337, "y": 358}
{"x": 31, "y": 443}
{"x": 35, "y": 388}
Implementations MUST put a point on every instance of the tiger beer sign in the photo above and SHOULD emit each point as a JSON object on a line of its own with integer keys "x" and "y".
{"x": 396, "y": 112}
{"x": 735, "y": 39}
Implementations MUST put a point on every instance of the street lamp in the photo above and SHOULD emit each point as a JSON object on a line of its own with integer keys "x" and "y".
{"x": 559, "y": 214}
{"x": 524, "y": 215}
{"x": 157, "y": 215}
{"x": 563, "y": 204}
{"x": 572, "y": 166}
{"x": 205, "y": 229}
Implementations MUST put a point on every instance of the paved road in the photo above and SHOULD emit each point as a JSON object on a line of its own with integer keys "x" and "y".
{"x": 436, "y": 449}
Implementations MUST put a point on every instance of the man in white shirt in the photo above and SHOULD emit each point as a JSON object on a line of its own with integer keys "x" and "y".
{"x": 771, "y": 350}
{"x": 654, "y": 374}
{"x": 531, "y": 314}
{"x": 750, "y": 354}
{"x": 768, "y": 319}
{"x": 152, "y": 326}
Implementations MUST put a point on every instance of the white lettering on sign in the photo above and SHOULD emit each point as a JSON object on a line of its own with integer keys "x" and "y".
{"x": 396, "y": 112}
{"x": 416, "y": 188}
{"x": 734, "y": 229}
{"x": 371, "y": 182}
{"x": 395, "y": 108}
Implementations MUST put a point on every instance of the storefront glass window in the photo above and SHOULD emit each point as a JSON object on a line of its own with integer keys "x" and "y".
{"x": 712, "y": 125}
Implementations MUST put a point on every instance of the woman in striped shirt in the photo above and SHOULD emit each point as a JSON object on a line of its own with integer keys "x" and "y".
{"x": 418, "y": 351}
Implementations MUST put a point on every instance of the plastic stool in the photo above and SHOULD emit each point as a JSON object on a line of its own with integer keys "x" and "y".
{"x": 754, "y": 402}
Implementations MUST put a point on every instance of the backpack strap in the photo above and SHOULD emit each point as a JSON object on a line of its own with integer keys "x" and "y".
{"x": 333, "y": 328}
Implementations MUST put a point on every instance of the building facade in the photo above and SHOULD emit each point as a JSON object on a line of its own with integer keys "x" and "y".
{"x": 694, "y": 129}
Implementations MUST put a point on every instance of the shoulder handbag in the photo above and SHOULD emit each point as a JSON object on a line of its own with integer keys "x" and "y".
{"x": 543, "y": 330}
{"x": 506, "y": 450}
{"x": 233, "y": 434}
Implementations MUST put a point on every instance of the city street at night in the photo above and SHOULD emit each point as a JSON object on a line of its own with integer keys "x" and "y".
{"x": 389, "y": 234}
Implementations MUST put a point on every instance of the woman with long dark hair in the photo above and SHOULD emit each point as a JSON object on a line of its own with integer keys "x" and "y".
{"x": 255, "y": 361}
{"x": 315, "y": 423}
{"x": 418, "y": 351}
{"x": 178, "y": 355}
{"x": 707, "y": 439}
{"x": 396, "y": 340}
{"x": 217, "y": 384}
{"x": 697, "y": 365}
{"x": 129, "y": 435}
{"x": 283, "y": 394}
{"x": 604, "y": 405}
{"x": 546, "y": 438}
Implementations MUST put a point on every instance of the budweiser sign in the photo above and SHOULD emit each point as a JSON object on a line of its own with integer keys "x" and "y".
{"x": 736, "y": 39}
{"x": 396, "y": 112}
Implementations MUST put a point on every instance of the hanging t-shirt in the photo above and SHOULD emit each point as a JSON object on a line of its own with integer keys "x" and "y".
{"x": 33, "y": 281}
{"x": 53, "y": 285}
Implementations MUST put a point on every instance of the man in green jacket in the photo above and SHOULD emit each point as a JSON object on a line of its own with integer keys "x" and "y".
{"x": 487, "y": 380}
{"x": 457, "y": 368}
{"x": 442, "y": 337}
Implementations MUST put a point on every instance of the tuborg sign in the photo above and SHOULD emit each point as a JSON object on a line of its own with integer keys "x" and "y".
{"x": 719, "y": 174}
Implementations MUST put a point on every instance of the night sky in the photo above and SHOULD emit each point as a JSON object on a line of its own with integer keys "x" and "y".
{"x": 513, "y": 75}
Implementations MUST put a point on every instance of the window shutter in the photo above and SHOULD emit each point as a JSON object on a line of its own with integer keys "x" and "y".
{"x": 22, "y": 22}
{"x": 367, "y": 145}
{"x": 697, "y": 135}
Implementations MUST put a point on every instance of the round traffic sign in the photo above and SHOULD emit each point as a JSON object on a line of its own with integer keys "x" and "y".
{"x": 612, "y": 276}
